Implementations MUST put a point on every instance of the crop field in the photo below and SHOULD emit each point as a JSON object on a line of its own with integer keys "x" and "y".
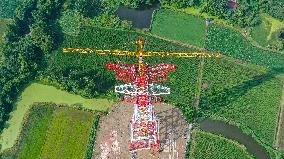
{"x": 210, "y": 146}
{"x": 280, "y": 139}
{"x": 179, "y": 26}
{"x": 229, "y": 93}
{"x": 33, "y": 134}
{"x": 260, "y": 114}
{"x": 68, "y": 134}
{"x": 43, "y": 93}
{"x": 229, "y": 42}
{"x": 54, "y": 132}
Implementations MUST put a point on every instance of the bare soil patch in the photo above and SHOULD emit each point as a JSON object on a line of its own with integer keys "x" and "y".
{"x": 113, "y": 134}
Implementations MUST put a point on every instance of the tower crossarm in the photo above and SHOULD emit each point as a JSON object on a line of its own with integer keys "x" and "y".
{"x": 100, "y": 52}
{"x": 194, "y": 54}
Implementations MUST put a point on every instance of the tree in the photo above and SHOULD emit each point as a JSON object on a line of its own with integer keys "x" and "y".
{"x": 88, "y": 8}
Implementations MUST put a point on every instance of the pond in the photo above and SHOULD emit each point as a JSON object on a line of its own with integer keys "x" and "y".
{"x": 234, "y": 133}
{"x": 141, "y": 17}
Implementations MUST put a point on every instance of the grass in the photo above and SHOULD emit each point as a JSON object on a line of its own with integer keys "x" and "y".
{"x": 34, "y": 132}
{"x": 275, "y": 24}
{"x": 3, "y": 27}
{"x": 197, "y": 11}
{"x": 179, "y": 26}
{"x": 43, "y": 93}
{"x": 210, "y": 146}
{"x": 261, "y": 32}
{"x": 51, "y": 131}
{"x": 68, "y": 134}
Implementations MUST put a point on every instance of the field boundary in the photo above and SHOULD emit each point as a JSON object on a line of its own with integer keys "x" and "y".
{"x": 15, "y": 147}
{"x": 223, "y": 23}
{"x": 280, "y": 120}
{"x": 9, "y": 139}
{"x": 247, "y": 38}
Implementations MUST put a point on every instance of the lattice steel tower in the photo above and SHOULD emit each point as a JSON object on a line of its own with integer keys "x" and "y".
{"x": 141, "y": 90}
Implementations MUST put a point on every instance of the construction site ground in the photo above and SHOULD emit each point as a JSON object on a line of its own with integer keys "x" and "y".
{"x": 113, "y": 134}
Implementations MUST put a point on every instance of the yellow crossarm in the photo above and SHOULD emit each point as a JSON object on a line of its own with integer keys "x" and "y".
{"x": 101, "y": 52}
{"x": 183, "y": 54}
{"x": 145, "y": 54}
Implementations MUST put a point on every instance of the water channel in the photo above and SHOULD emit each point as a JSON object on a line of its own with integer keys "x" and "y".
{"x": 235, "y": 133}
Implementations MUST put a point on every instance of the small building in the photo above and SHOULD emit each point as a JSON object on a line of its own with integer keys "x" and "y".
{"x": 232, "y": 4}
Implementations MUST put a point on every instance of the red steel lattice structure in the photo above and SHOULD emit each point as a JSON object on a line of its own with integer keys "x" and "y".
{"x": 141, "y": 90}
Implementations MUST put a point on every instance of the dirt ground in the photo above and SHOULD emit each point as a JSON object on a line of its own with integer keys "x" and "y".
{"x": 113, "y": 134}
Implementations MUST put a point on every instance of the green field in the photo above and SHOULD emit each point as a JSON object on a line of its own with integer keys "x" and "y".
{"x": 231, "y": 43}
{"x": 53, "y": 132}
{"x": 33, "y": 135}
{"x": 260, "y": 114}
{"x": 261, "y": 32}
{"x": 68, "y": 134}
{"x": 179, "y": 26}
{"x": 209, "y": 146}
{"x": 43, "y": 93}
{"x": 231, "y": 88}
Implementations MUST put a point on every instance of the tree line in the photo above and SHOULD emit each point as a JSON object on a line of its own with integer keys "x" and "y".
{"x": 27, "y": 44}
{"x": 246, "y": 14}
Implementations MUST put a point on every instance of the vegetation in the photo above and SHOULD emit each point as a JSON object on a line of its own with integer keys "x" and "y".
{"x": 274, "y": 8}
{"x": 229, "y": 42}
{"x": 3, "y": 28}
{"x": 180, "y": 3}
{"x": 229, "y": 89}
{"x": 8, "y": 8}
{"x": 261, "y": 32}
{"x": 209, "y": 146}
{"x": 86, "y": 74}
{"x": 268, "y": 33}
{"x": 88, "y": 8}
{"x": 261, "y": 113}
{"x": 29, "y": 39}
{"x": 221, "y": 78}
{"x": 228, "y": 86}
{"x": 92, "y": 138}
{"x": 42, "y": 93}
{"x": 68, "y": 134}
{"x": 33, "y": 134}
{"x": 49, "y": 130}
{"x": 179, "y": 26}
{"x": 244, "y": 14}
{"x": 281, "y": 126}
{"x": 112, "y": 5}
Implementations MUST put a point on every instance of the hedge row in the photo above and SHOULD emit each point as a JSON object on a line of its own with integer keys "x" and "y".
{"x": 92, "y": 138}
